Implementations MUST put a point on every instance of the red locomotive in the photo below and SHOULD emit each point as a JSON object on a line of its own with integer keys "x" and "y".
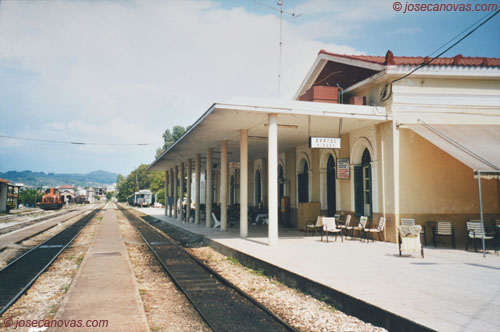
{"x": 52, "y": 199}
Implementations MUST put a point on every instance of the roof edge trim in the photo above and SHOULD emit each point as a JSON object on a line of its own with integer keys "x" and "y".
{"x": 200, "y": 119}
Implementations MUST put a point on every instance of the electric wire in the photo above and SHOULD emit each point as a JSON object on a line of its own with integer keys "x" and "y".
{"x": 73, "y": 142}
{"x": 385, "y": 96}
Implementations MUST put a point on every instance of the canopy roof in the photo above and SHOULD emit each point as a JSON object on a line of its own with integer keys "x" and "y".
{"x": 477, "y": 146}
{"x": 297, "y": 121}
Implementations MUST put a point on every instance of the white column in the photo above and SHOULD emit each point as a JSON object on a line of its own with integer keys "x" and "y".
{"x": 396, "y": 156}
{"x": 182, "y": 190}
{"x": 188, "y": 185}
{"x": 166, "y": 193}
{"x": 272, "y": 178}
{"x": 176, "y": 184}
{"x": 209, "y": 186}
{"x": 170, "y": 213}
{"x": 223, "y": 186}
{"x": 244, "y": 183}
{"x": 197, "y": 190}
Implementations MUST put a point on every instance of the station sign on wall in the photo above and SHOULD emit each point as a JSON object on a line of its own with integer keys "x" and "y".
{"x": 324, "y": 142}
{"x": 343, "y": 170}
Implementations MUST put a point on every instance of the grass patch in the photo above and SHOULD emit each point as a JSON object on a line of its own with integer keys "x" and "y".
{"x": 234, "y": 261}
{"x": 65, "y": 288}
{"x": 53, "y": 310}
{"x": 142, "y": 292}
{"x": 79, "y": 260}
{"x": 155, "y": 328}
{"x": 259, "y": 272}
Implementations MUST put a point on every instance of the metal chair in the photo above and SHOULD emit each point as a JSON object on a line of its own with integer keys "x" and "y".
{"x": 363, "y": 220}
{"x": 379, "y": 229}
{"x": 314, "y": 226}
{"x": 347, "y": 225}
{"x": 475, "y": 232}
{"x": 444, "y": 228}
{"x": 329, "y": 226}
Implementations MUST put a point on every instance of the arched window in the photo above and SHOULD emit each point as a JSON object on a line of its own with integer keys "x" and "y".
{"x": 258, "y": 187}
{"x": 366, "y": 159}
{"x": 363, "y": 186}
{"x": 303, "y": 184}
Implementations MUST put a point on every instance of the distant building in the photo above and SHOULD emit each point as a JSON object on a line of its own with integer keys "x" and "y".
{"x": 111, "y": 188}
{"x": 68, "y": 193}
{"x": 90, "y": 195}
{"x": 100, "y": 191}
{"x": 3, "y": 195}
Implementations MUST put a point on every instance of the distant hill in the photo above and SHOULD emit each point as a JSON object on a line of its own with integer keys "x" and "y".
{"x": 40, "y": 179}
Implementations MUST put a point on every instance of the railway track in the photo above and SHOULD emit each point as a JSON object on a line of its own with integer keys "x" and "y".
{"x": 26, "y": 223}
{"x": 223, "y": 306}
{"x": 21, "y": 273}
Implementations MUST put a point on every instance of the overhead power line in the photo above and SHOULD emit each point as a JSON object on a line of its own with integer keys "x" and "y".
{"x": 386, "y": 95}
{"x": 73, "y": 142}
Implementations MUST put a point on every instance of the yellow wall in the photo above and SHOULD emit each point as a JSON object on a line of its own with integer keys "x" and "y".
{"x": 436, "y": 186}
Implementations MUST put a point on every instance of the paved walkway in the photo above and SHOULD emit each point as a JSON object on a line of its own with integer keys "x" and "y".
{"x": 448, "y": 290}
{"x": 104, "y": 287}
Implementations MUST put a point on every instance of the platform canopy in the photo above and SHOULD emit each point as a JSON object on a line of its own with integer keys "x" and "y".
{"x": 297, "y": 120}
{"x": 477, "y": 146}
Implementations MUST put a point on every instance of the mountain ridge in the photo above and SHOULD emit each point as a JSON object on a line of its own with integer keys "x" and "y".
{"x": 40, "y": 179}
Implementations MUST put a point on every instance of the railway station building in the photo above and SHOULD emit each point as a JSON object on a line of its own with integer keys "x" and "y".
{"x": 357, "y": 139}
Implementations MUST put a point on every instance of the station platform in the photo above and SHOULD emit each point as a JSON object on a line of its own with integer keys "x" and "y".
{"x": 448, "y": 290}
{"x": 104, "y": 287}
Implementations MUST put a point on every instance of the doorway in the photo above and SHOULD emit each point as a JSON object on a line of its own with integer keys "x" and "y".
{"x": 330, "y": 187}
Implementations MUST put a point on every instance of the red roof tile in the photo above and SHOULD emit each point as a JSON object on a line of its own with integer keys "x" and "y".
{"x": 390, "y": 59}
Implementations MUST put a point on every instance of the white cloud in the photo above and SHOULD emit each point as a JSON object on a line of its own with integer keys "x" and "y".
{"x": 122, "y": 72}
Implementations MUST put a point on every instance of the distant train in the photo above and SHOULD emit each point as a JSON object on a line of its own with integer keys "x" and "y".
{"x": 52, "y": 199}
{"x": 141, "y": 198}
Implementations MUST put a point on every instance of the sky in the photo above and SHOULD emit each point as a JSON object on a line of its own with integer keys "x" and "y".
{"x": 121, "y": 72}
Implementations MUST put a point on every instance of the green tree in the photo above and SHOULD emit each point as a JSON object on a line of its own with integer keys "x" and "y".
{"x": 157, "y": 181}
{"x": 109, "y": 195}
{"x": 169, "y": 138}
{"x": 29, "y": 197}
{"x": 161, "y": 196}
{"x": 139, "y": 179}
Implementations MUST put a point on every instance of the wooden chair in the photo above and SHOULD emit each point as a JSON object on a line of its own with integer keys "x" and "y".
{"x": 444, "y": 228}
{"x": 411, "y": 222}
{"x": 329, "y": 226}
{"x": 347, "y": 225}
{"x": 475, "y": 232}
{"x": 314, "y": 226}
{"x": 363, "y": 220}
{"x": 379, "y": 229}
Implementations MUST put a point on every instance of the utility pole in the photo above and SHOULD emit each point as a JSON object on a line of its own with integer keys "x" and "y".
{"x": 280, "y": 3}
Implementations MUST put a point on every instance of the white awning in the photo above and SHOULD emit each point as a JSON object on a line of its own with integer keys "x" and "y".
{"x": 477, "y": 146}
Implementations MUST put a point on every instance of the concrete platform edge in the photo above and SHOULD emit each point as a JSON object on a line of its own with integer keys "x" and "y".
{"x": 348, "y": 304}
